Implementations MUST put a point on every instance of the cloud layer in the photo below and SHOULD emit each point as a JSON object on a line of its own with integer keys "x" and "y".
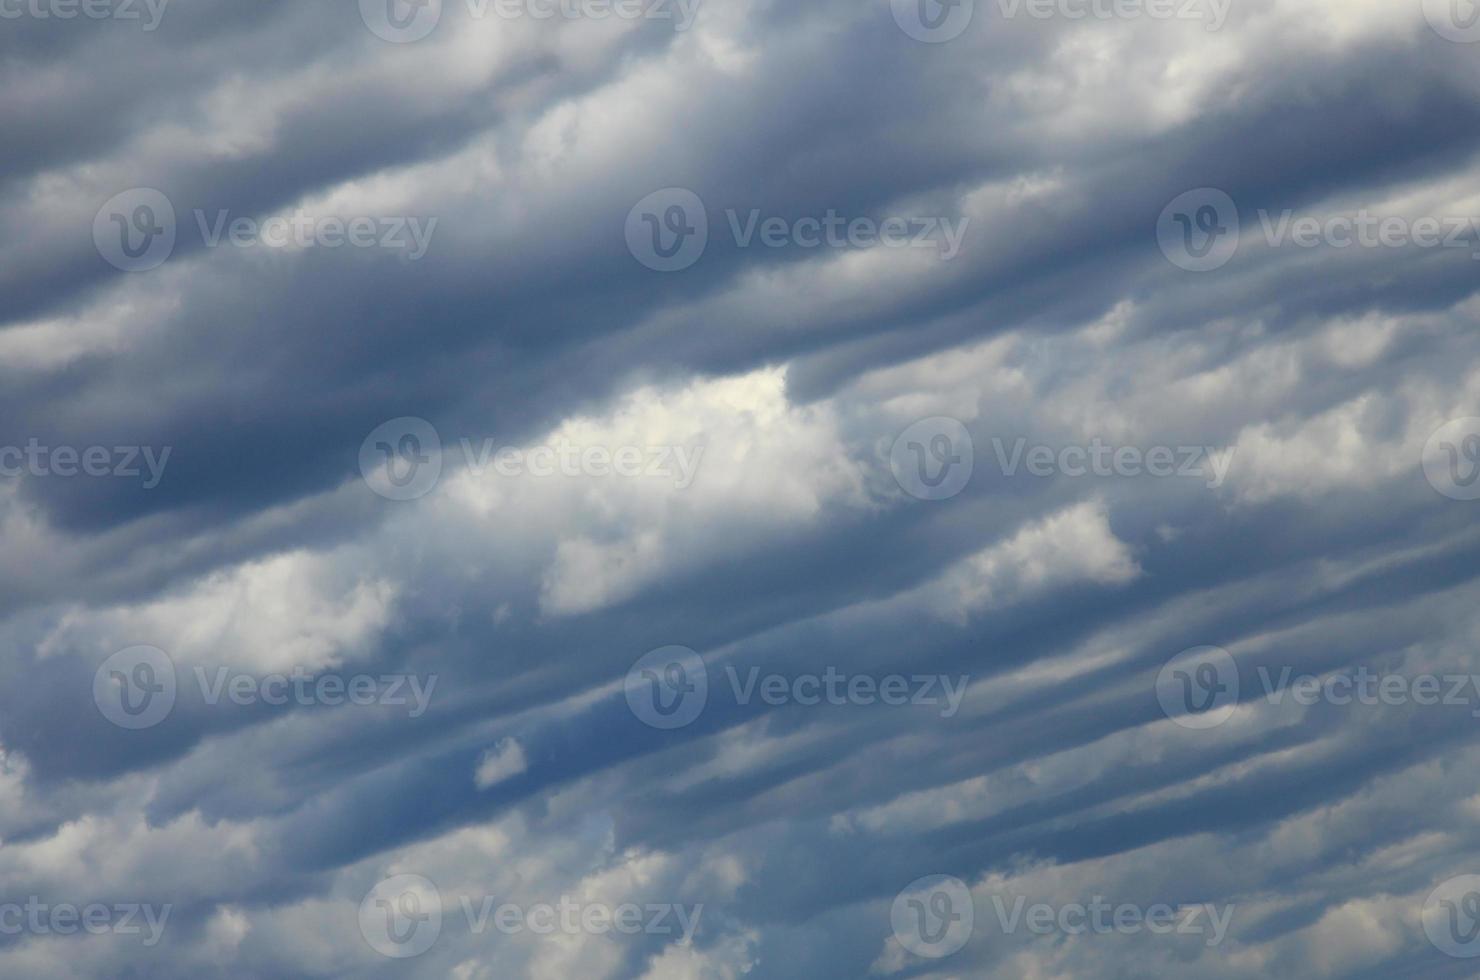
{"x": 912, "y": 420}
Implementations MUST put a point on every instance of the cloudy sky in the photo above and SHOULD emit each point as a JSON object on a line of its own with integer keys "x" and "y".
{"x": 696, "y": 490}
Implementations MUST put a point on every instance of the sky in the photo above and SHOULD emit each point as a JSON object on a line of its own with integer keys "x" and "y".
{"x": 703, "y": 489}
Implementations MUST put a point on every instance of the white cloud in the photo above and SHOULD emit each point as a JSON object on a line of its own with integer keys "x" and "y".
{"x": 504, "y": 761}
